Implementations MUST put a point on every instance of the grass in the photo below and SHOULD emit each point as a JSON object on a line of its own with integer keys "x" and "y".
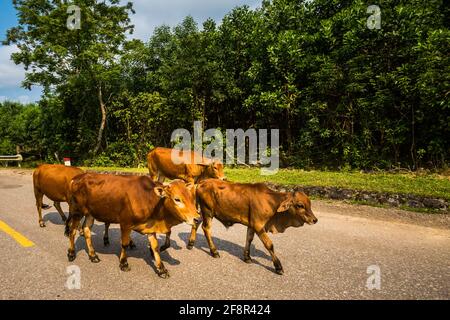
{"x": 430, "y": 185}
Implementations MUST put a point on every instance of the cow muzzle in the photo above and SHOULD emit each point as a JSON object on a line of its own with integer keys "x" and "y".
{"x": 311, "y": 219}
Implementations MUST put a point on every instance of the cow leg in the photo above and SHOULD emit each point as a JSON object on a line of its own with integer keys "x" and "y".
{"x": 74, "y": 222}
{"x": 152, "y": 171}
{"x": 39, "y": 196}
{"x": 125, "y": 238}
{"x": 193, "y": 236}
{"x": 269, "y": 246}
{"x": 248, "y": 242}
{"x": 81, "y": 227}
{"x": 87, "y": 225}
{"x": 160, "y": 269}
{"x": 166, "y": 244}
{"x": 60, "y": 211}
{"x": 206, "y": 226}
{"x": 161, "y": 177}
{"x": 106, "y": 235}
{"x": 67, "y": 225}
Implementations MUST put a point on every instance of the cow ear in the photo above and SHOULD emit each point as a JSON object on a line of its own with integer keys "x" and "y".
{"x": 285, "y": 205}
{"x": 190, "y": 185}
{"x": 160, "y": 192}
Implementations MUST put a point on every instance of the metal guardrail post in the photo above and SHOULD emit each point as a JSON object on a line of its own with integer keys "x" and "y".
{"x": 17, "y": 157}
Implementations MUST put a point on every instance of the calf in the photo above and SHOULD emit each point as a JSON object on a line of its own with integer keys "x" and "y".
{"x": 161, "y": 165}
{"x": 136, "y": 203}
{"x": 261, "y": 209}
{"x": 52, "y": 180}
{"x": 189, "y": 166}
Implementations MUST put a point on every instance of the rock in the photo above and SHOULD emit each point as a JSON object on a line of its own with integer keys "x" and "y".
{"x": 366, "y": 197}
{"x": 415, "y": 204}
{"x": 335, "y": 194}
{"x": 393, "y": 202}
{"x": 434, "y": 203}
{"x": 348, "y": 194}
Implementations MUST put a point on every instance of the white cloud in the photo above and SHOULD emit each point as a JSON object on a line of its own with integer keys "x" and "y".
{"x": 11, "y": 75}
{"x": 153, "y": 13}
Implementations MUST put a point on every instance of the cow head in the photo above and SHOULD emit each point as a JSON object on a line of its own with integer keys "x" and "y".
{"x": 181, "y": 200}
{"x": 298, "y": 204}
{"x": 214, "y": 170}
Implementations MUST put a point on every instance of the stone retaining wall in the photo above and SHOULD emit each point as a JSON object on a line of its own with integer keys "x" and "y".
{"x": 393, "y": 200}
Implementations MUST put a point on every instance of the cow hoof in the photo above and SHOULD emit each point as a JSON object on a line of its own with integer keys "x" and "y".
{"x": 163, "y": 273}
{"x": 163, "y": 248}
{"x": 125, "y": 267}
{"x": 64, "y": 219}
{"x": 215, "y": 254}
{"x": 247, "y": 260}
{"x": 71, "y": 256}
{"x": 279, "y": 271}
{"x": 94, "y": 259}
{"x": 132, "y": 246}
{"x": 106, "y": 242}
{"x": 190, "y": 246}
{"x": 42, "y": 224}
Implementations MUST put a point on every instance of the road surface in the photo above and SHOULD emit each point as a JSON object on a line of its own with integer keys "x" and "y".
{"x": 329, "y": 260}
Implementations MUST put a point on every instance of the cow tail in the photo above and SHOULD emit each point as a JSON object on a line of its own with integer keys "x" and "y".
{"x": 70, "y": 200}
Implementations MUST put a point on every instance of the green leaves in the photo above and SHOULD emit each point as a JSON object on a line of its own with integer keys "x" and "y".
{"x": 342, "y": 95}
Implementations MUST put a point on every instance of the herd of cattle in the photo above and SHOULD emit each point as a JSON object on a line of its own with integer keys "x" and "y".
{"x": 198, "y": 192}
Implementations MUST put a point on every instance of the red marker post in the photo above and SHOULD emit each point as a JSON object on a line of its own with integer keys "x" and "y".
{"x": 67, "y": 162}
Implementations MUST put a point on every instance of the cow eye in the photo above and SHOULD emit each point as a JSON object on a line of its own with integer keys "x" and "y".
{"x": 299, "y": 206}
{"x": 177, "y": 200}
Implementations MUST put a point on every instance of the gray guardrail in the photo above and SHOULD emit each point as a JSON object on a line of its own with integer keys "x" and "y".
{"x": 18, "y": 158}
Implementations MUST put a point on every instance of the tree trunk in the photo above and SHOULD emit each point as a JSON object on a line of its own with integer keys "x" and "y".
{"x": 103, "y": 123}
{"x": 290, "y": 102}
{"x": 289, "y": 130}
{"x": 413, "y": 138}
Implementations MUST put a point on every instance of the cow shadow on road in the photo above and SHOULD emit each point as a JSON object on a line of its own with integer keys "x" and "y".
{"x": 141, "y": 251}
{"x": 224, "y": 245}
{"x": 53, "y": 217}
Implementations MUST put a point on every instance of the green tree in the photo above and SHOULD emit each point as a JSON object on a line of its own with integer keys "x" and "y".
{"x": 56, "y": 57}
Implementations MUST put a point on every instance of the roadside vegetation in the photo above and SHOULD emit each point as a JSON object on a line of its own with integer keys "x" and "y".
{"x": 343, "y": 95}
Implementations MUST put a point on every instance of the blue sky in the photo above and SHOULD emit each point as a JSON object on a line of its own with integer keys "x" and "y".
{"x": 149, "y": 14}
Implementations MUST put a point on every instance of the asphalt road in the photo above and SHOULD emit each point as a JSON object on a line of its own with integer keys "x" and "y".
{"x": 326, "y": 261}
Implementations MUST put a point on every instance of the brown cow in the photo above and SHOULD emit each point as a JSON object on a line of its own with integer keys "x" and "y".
{"x": 161, "y": 166}
{"x": 136, "y": 203}
{"x": 190, "y": 167}
{"x": 261, "y": 209}
{"x": 52, "y": 180}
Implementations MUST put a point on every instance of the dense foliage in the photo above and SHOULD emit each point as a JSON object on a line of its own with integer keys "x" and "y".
{"x": 340, "y": 93}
